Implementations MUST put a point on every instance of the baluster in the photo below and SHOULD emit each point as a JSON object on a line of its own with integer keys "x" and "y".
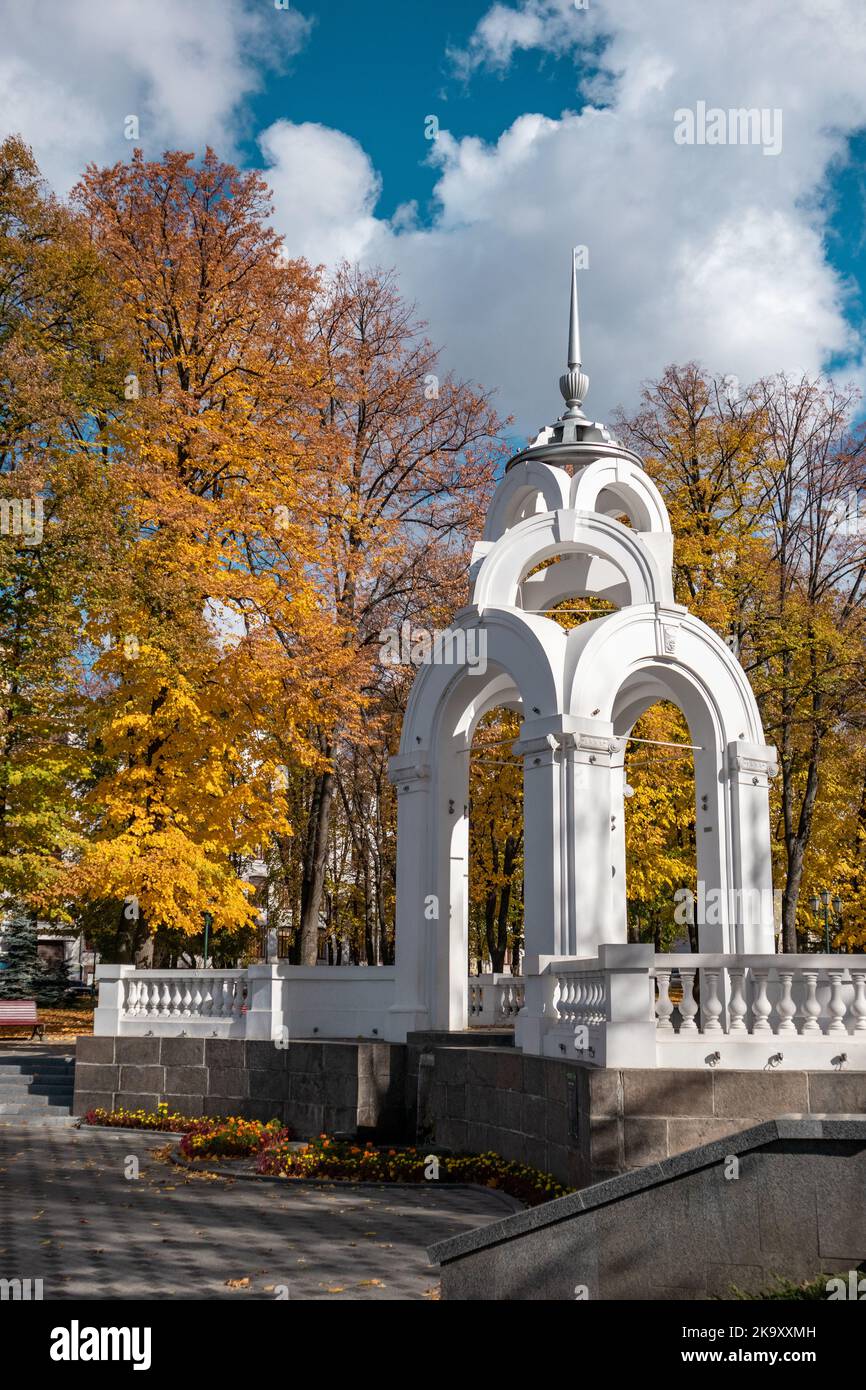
{"x": 185, "y": 1001}
{"x": 837, "y": 1003}
{"x": 664, "y": 1003}
{"x": 761, "y": 1006}
{"x": 153, "y": 1000}
{"x": 176, "y": 999}
{"x": 688, "y": 1007}
{"x": 238, "y": 997}
{"x": 858, "y": 1007}
{"x": 600, "y": 1000}
{"x": 197, "y": 997}
{"x": 580, "y": 1000}
{"x": 737, "y": 1006}
{"x": 207, "y": 997}
{"x": 786, "y": 1008}
{"x": 711, "y": 1000}
{"x": 811, "y": 1006}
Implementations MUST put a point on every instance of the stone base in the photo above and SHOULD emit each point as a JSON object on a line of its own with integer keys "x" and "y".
{"x": 314, "y": 1087}
{"x": 458, "y": 1091}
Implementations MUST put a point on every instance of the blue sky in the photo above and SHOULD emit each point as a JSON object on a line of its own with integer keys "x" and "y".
{"x": 372, "y": 78}
{"x": 557, "y": 127}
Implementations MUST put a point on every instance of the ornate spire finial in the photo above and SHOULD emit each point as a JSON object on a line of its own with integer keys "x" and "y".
{"x": 574, "y": 383}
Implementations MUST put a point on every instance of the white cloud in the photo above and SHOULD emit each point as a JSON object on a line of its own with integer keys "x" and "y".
{"x": 710, "y": 252}
{"x": 716, "y": 253}
{"x": 325, "y": 189}
{"x": 70, "y": 73}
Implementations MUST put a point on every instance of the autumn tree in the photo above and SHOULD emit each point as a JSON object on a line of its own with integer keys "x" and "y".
{"x": 213, "y": 652}
{"x": 58, "y": 385}
{"x": 407, "y": 458}
{"x": 758, "y": 483}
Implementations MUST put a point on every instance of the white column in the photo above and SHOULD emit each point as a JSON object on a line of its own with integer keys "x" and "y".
{"x": 596, "y": 832}
{"x": 750, "y": 769}
{"x": 712, "y": 853}
{"x": 545, "y": 875}
{"x": 409, "y": 1011}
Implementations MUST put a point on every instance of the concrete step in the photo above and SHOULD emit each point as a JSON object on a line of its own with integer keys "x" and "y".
{"x": 40, "y": 1095}
{"x": 36, "y": 1064}
{"x": 31, "y": 1108}
{"x": 13, "y": 1093}
{"x": 63, "y": 1080}
{"x": 37, "y": 1121}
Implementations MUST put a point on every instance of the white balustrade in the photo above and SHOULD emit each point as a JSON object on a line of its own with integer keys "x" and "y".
{"x": 494, "y": 1000}
{"x": 775, "y": 996}
{"x": 171, "y": 1002}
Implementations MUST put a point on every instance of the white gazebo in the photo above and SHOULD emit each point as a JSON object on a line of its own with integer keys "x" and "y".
{"x": 577, "y": 496}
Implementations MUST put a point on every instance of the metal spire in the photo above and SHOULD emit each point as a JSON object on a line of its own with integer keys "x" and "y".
{"x": 574, "y": 319}
{"x": 574, "y": 383}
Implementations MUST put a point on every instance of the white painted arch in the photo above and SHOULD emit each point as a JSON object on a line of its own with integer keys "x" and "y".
{"x": 565, "y": 532}
{"x": 526, "y": 488}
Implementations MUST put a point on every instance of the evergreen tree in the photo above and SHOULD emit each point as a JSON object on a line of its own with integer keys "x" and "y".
{"x": 51, "y": 983}
{"x": 18, "y": 978}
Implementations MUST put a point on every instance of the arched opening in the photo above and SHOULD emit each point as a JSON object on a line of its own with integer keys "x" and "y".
{"x": 659, "y": 828}
{"x": 673, "y": 826}
{"x": 496, "y": 843}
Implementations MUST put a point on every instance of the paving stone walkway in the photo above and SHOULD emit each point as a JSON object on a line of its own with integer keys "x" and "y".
{"x": 70, "y": 1216}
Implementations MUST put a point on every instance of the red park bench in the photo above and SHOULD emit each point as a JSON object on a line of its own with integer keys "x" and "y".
{"x": 20, "y": 1013}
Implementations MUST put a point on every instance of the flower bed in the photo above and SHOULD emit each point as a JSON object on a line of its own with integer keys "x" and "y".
{"x": 232, "y": 1138}
{"x": 348, "y": 1162}
{"x": 161, "y": 1120}
{"x": 209, "y": 1137}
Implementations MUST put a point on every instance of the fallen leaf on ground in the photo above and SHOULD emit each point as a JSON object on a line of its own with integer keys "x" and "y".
{"x": 237, "y": 1283}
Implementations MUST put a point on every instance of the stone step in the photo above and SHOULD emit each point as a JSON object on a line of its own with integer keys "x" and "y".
{"x": 35, "y": 1064}
{"x": 25, "y": 1108}
{"x": 37, "y": 1121}
{"x": 14, "y": 1094}
{"x": 60, "y": 1079}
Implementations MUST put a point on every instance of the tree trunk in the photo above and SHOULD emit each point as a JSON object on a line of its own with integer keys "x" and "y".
{"x": 314, "y": 863}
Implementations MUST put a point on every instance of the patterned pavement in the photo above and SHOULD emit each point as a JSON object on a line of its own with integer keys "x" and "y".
{"x": 71, "y": 1216}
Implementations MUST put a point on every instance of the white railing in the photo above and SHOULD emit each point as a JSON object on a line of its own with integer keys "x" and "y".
{"x": 494, "y": 1000}
{"x": 277, "y": 1001}
{"x": 783, "y": 996}
{"x": 184, "y": 994}
{"x": 632, "y": 1008}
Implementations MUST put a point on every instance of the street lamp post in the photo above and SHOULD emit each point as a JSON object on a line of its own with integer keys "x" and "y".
{"x": 822, "y": 902}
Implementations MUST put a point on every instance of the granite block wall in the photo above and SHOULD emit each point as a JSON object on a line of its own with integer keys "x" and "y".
{"x": 338, "y": 1087}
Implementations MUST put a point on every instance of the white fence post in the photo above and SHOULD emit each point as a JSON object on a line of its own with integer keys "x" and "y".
{"x": 264, "y": 1010}
{"x": 109, "y": 1009}
{"x": 630, "y": 1029}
